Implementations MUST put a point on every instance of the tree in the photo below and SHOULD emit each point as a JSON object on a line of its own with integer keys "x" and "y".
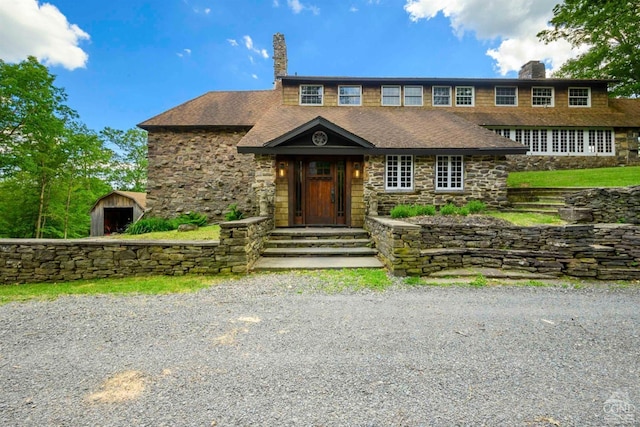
{"x": 611, "y": 31}
{"x": 130, "y": 166}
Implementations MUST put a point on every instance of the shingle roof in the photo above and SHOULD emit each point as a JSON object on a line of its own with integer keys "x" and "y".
{"x": 383, "y": 127}
{"x": 233, "y": 108}
{"x": 621, "y": 113}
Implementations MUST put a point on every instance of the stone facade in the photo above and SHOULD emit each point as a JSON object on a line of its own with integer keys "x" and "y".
{"x": 199, "y": 171}
{"x": 607, "y": 205}
{"x": 606, "y": 252}
{"x": 39, "y": 260}
{"x": 485, "y": 179}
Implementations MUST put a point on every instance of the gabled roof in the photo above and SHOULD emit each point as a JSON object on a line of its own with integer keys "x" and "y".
{"x": 386, "y": 129}
{"x": 233, "y": 108}
{"x": 138, "y": 198}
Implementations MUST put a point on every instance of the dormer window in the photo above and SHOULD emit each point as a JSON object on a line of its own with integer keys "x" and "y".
{"x": 311, "y": 94}
{"x": 542, "y": 96}
{"x": 579, "y": 97}
{"x": 464, "y": 96}
{"x": 413, "y": 96}
{"x": 391, "y": 95}
{"x": 349, "y": 95}
{"x": 506, "y": 95}
{"x": 442, "y": 96}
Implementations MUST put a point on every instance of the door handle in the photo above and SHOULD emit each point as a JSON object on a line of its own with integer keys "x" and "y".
{"x": 333, "y": 195}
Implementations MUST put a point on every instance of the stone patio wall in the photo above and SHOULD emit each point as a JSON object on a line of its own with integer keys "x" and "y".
{"x": 607, "y": 205}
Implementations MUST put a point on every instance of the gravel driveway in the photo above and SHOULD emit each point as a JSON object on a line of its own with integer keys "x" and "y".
{"x": 269, "y": 350}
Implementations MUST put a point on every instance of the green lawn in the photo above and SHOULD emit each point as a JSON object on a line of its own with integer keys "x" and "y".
{"x": 601, "y": 177}
{"x": 210, "y": 232}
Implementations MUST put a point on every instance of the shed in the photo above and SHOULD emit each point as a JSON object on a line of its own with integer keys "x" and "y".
{"x": 113, "y": 212}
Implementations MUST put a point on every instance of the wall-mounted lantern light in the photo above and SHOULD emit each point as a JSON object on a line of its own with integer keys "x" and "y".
{"x": 357, "y": 169}
{"x": 282, "y": 169}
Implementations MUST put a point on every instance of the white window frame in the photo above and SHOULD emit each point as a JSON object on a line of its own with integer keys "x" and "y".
{"x": 533, "y": 96}
{"x": 515, "y": 96}
{"x": 359, "y": 95}
{"x": 454, "y": 179}
{"x": 473, "y": 96}
{"x": 382, "y": 95}
{"x": 399, "y": 162}
{"x": 588, "y": 104}
{"x": 420, "y": 88}
{"x": 321, "y": 94}
{"x": 433, "y": 96}
{"x": 563, "y": 141}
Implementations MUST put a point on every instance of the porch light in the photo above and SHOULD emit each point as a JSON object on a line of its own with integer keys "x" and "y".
{"x": 356, "y": 170}
{"x": 282, "y": 169}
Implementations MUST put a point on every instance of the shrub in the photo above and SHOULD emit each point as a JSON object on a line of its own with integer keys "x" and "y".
{"x": 234, "y": 213}
{"x": 425, "y": 210}
{"x": 151, "y": 224}
{"x": 401, "y": 211}
{"x": 463, "y": 211}
{"x": 192, "y": 218}
{"x": 448, "y": 209}
{"x": 476, "y": 206}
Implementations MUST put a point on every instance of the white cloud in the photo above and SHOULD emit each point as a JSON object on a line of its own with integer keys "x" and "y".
{"x": 254, "y": 76}
{"x": 185, "y": 52}
{"x": 514, "y": 22}
{"x": 233, "y": 42}
{"x": 248, "y": 42}
{"x": 28, "y": 28}
{"x": 353, "y": 9}
{"x": 207, "y": 11}
{"x": 276, "y": 3}
{"x": 298, "y": 7}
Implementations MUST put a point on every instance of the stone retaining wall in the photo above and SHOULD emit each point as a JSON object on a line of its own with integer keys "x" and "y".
{"x": 605, "y": 251}
{"x": 608, "y": 205}
{"x": 40, "y": 260}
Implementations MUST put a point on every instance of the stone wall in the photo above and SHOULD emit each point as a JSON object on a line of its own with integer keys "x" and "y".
{"x": 485, "y": 179}
{"x": 199, "y": 171}
{"x": 40, "y": 260}
{"x": 607, "y": 205}
{"x": 607, "y": 251}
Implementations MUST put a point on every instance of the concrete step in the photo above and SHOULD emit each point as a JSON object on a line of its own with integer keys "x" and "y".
{"x": 316, "y": 233}
{"x": 298, "y": 243}
{"x": 318, "y": 252}
{"x": 316, "y": 263}
{"x": 532, "y": 210}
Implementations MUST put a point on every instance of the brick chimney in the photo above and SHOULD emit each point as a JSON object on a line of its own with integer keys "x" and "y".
{"x": 279, "y": 56}
{"x": 532, "y": 70}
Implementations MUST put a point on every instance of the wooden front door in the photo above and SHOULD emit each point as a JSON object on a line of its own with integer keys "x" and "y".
{"x": 319, "y": 191}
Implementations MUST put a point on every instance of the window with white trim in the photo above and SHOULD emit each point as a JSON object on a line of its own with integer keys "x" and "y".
{"x": 542, "y": 96}
{"x": 449, "y": 173}
{"x": 311, "y": 94}
{"x": 391, "y": 95}
{"x": 464, "y": 96}
{"x": 579, "y": 97}
{"x": 567, "y": 142}
{"x": 399, "y": 172}
{"x": 349, "y": 95}
{"x": 413, "y": 96}
{"x": 506, "y": 95}
{"x": 442, "y": 96}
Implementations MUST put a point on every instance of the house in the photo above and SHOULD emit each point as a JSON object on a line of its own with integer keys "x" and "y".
{"x": 113, "y": 212}
{"x": 331, "y": 150}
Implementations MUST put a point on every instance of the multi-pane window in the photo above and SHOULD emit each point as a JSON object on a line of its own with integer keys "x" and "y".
{"x": 413, "y": 95}
{"x": 391, "y": 95}
{"x": 542, "y": 96}
{"x": 449, "y": 173}
{"x": 464, "y": 96}
{"x": 442, "y": 96}
{"x": 349, "y": 95}
{"x": 506, "y": 95}
{"x": 399, "y": 172}
{"x": 579, "y": 97}
{"x": 554, "y": 142}
{"x": 311, "y": 94}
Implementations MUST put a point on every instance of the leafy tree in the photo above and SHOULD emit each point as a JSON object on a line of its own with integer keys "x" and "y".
{"x": 129, "y": 172}
{"x": 611, "y": 31}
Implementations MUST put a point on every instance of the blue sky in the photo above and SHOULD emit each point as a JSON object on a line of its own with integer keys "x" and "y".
{"x": 123, "y": 61}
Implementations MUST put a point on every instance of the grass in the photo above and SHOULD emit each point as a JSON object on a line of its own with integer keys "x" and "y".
{"x": 601, "y": 177}
{"x": 154, "y": 285}
{"x": 210, "y": 232}
{"x": 527, "y": 219}
{"x": 334, "y": 281}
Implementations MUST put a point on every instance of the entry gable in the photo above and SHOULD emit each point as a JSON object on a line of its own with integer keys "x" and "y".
{"x": 319, "y": 132}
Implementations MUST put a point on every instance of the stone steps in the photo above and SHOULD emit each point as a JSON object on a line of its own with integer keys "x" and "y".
{"x": 538, "y": 200}
{"x": 318, "y": 248}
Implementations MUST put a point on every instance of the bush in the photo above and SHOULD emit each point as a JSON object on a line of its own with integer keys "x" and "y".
{"x": 463, "y": 211}
{"x": 401, "y": 211}
{"x": 234, "y": 213}
{"x": 448, "y": 209}
{"x": 151, "y": 224}
{"x": 476, "y": 206}
{"x": 425, "y": 210}
{"x": 192, "y": 218}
